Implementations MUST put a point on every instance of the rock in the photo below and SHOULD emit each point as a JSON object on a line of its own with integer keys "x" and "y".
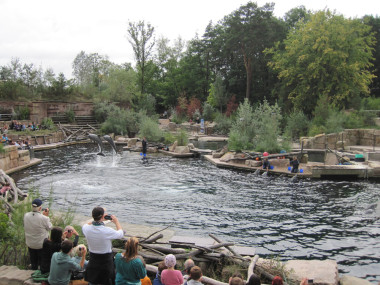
{"x": 173, "y": 146}
{"x": 323, "y": 272}
{"x": 182, "y": 149}
{"x": 331, "y": 159}
{"x": 253, "y": 163}
{"x": 13, "y": 275}
{"x": 350, "y": 280}
{"x": 132, "y": 142}
{"x": 227, "y": 156}
{"x": 191, "y": 146}
{"x": 277, "y": 162}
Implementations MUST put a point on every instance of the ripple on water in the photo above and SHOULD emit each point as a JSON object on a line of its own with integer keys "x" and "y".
{"x": 307, "y": 219}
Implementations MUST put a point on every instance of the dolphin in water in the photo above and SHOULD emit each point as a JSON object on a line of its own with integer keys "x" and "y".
{"x": 294, "y": 178}
{"x": 97, "y": 139}
{"x": 110, "y": 141}
{"x": 257, "y": 172}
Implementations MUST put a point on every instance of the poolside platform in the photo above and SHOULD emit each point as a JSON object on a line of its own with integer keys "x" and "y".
{"x": 32, "y": 162}
{"x": 178, "y": 155}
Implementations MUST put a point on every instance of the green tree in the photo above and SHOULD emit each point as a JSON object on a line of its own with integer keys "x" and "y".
{"x": 218, "y": 95}
{"x": 141, "y": 37}
{"x": 328, "y": 55}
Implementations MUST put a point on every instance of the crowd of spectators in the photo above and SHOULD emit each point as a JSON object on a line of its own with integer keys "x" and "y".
{"x": 59, "y": 259}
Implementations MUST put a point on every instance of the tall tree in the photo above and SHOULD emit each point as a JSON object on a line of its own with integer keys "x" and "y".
{"x": 141, "y": 37}
{"x": 326, "y": 56}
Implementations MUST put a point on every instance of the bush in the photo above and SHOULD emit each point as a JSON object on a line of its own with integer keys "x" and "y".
{"x": 371, "y": 103}
{"x": 117, "y": 122}
{"x": 239, "y": 142}
{"x": 208, "y": 112}
{"x": 146, "y": 103}
{"x": 47, "y": 123}
{"x": 223, "y": 124}
{"x": 182, "y": 138}
{"x": 316, "y": 130}
{"x": 23, "y": 113}
{"x": 70, "y": 115}
{"x": 178, "y": 119}
{"x": 297, "y": 125}
{"x": 169, "y": 138}
{"x": 103, "y": 110}
{"x": 149, "y": 128}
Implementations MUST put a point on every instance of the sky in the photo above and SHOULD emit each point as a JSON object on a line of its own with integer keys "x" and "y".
{"x": 51, "y": 33}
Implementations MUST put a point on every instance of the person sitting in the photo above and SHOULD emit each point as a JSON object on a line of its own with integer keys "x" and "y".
{"x": 62, "y": 265}
{"x": 78, "y": 254}
{"x": 49, "y": 247}
{"x": 69, "y": 232}
{"x": 129, "y": 267}
{"x": 5, "y": 188}
{"x": 195, "y": 276}
{"x": 146, "y": 280}
{"x": 236, "y": 279}
{"x": 254, "y": 280}
{"x": 5, "y": 139}
{"x": 295, "y": 163}
{"x": 17, "y": 144}
{"x": 160, "y": 268}
{"x": 189, "y": 263}
{"x": 277, "y": 280}
{"x": 171, "y": 276}
{"x": 266, "y": 164}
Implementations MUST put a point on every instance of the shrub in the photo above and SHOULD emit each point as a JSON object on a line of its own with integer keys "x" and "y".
{"x": 194, "y": 108}
{"x": 70, "y": 115}
{"x": 4, "y": 224}
{"x": 146, "y": 103}
{"x": 208, "y": 112}
{"x": 23, "y": 113}
{"x": 118, "y": 123}
{"x": 232, "y": 106}
{"x": 297, "y": 125}
{"x": 239, "y": 142}
{"x": 182, "y": 138}
{"x": 102, "y": 110}
{"x": 222, "y": 124}
{"x": 371, "y": 103}
{"x": 178, "y": 119}
{"x": 47, "y": 123}
{"x": 149, "y": 128}
{"x": 316, "y": 130}
{"x": 169, "y": 138}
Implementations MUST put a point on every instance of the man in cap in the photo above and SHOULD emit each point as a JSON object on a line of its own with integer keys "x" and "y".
{"x": 37, "y": 226}
{"x": 100, "y": 268}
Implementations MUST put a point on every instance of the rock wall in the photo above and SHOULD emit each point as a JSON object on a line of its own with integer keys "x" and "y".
{"x": 13, "y": 158}
{"x": 36, "y": 140}
{"x": 349, "y": 137}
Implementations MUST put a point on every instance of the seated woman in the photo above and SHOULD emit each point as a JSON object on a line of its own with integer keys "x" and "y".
{"x": 78, "y": 252}
{"x": 49, "y": 247}
{"x": 129, "y": 267}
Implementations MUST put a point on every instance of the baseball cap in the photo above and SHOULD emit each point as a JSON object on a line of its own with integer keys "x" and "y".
{"x": 36, "y": 202}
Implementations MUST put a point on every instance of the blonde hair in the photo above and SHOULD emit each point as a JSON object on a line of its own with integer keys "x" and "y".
{"x": 131, "y": 249}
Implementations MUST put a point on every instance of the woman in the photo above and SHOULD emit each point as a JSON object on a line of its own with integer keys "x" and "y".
{"x": 49, "y": 247}
{"x": 129, "y": 267}
{"x": 171, "y": 276}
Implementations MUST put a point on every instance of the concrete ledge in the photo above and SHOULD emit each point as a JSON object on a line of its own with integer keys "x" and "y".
{"x": 32, "y": 162}
{"x": 350, "y": 280}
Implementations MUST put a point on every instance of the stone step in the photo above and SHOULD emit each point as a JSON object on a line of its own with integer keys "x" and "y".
{"x": 11, "y": 275}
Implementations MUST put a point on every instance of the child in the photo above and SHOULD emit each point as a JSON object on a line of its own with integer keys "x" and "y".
{"x": 171, "y": 276}
{"x": 161, "y": 267}
{"x": 195, "y": 276}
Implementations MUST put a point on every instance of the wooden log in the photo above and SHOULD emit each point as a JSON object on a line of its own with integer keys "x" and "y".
{"x": 153, "y": 239}
{"x": 198, "y": 251}
{"x": 228, "y": 247}
{"x": 164, "y": 249}
{"x": 266, "y": 274}
{"x": 92, "y": 127}
{"x": 148, "y": 247}
{"x": 251, "y": 266}
{"x": 11, "y": 182}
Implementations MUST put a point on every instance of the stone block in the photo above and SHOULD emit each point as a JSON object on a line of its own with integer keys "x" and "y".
{"x": 227, "y": 156}
{"x": 132, "y": 142}
{"x": 172, "y": 126}
{"x": 323, "y": 272}
{"x": 14, "y": 154}
{"x": 173, "y": 146}
{"x": 253, "y": 163}
{"x": 350, "y": 280}
{"x": 304, "y": 158}
{"x": 152, "y": 149}
{"x": 191, "y": 146}
{"x": 5, "y": 163}
{"x": 319, "y": 146}
{"x": 14, "y": 163}
{"x": 182, "y": 149}
{"x": 22, "y": 153}
{"x": 332, "y": 138}
{"x": 331, "y": 159}
{"x": 320, "y": 139}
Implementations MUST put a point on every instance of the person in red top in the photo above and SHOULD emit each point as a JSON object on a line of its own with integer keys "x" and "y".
{"x": 171, "y": 276}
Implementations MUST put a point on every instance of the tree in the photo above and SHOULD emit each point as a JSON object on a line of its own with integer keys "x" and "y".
{"x": 328, "y": 55}
{"x": 140, "y": 36}
{"x": 218, "y": 95}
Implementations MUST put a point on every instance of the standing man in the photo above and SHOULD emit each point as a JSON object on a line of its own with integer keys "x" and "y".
{"x": 144, "y": 147}
{"x": 100, "y": 268}
{"x": 37, "y": 226}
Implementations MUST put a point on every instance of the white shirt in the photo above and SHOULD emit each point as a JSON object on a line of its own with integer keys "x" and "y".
{"x": 99, "y": 238}
{"x": 37, "y": 227}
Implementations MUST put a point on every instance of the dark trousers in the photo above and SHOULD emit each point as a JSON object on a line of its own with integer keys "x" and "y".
{"x": 35, "y": 257}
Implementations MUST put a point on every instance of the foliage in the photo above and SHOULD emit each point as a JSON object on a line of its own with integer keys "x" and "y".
{"x": 222, "y": 124}
{"x": 326, "y": 56}
{"x": 70, "y": 115}
{"x": 194, "y": 108}
{"x": 371, "y": 103}
{"x": 267, "y": 120}
{"x": 181, "y": 108}
{"x": 102, "y": 110}
{"x": 121, "y": 121}
{"x": 297, "y": 125}
{"x": 232, "y": 105}
{"x": 147, "y": 103}
{"x": 169, "y": 138}
{"x": 2, "y": 150}
{"x": 4, "y": 226}
{"x": 218, "y": 95}
{"x": 182, "y": 138}
{"x": 243, "y": 129}
{"x": 208, "y": 112}
{"x": 48, "y": 124}
{"x": 149, "y": 128}
{"x": 23, "y": 113}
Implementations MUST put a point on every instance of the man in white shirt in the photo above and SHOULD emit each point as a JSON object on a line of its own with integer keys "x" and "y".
{"x": 37, "y": 226}
{"x": 100, "y": 268}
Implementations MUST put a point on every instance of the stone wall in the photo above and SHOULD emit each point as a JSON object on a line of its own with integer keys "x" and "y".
{"x": 349, "y": 137}
{"x": 40, "y": 109}
{"x": 34, "y": 140}
{"x": 13, "y": 158}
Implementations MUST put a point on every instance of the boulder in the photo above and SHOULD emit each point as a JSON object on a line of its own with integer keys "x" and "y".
{"x": 323, "y": 272}
{"x": 279, "y": 162}
{"x": 13, "y": 275}
{"x": 173, "y": 146}
{"x": 227, "y": 156}
{"x": 132, "y": 142}
{"x": 182, "y": 149}
{"x": 191, "y": 146}
{"x": 253, "y": 163}
{"x": 350, "y": 280}
{"x": 331, "y": 159}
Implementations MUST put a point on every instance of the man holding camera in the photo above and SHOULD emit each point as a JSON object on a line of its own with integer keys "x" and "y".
{"x": 100, "y": 268}
{"x": 37, "y": 226}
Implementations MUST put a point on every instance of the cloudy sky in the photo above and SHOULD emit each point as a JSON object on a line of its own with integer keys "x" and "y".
{"x": 50, "y": 33}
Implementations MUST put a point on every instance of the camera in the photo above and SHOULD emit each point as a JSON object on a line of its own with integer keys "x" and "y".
{"x": 69, "y": 231}
{"x": 310, "y": 281}
{"x": 80, "y": 249}
{"x": 108, "y": 217}
{"x": 44, "y": 209}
